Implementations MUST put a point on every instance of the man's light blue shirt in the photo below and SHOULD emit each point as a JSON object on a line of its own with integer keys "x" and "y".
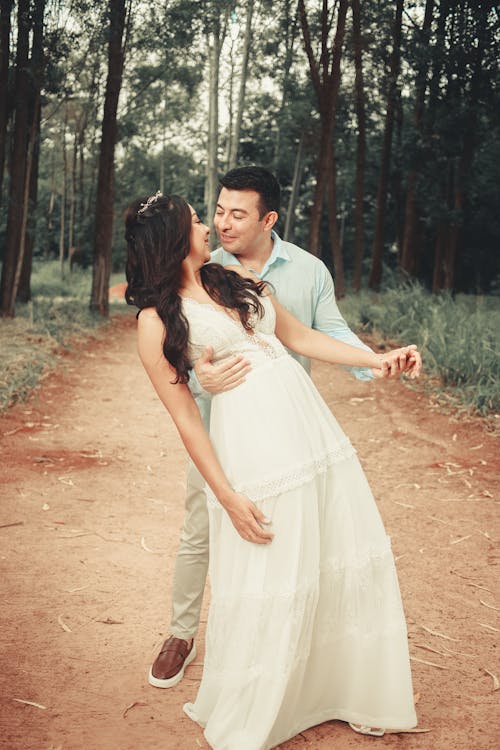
{"x": 303, "y": 285}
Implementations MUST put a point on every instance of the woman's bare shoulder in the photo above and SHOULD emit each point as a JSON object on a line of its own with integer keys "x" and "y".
{"x": 149, "y": 322}
{"x": 148, "y": 315}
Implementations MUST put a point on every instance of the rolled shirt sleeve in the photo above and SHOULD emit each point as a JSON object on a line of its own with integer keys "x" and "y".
{"x": 328, "y": 319}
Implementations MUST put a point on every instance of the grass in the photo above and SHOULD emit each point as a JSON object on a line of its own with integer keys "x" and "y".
{"x": 458, "y": 338}
{"x": 56, "y": 320}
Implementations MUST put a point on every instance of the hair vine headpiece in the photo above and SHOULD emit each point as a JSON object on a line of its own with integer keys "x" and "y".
{"x": 150, "y": 201}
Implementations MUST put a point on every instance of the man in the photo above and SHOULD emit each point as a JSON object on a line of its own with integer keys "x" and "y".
{"x": 247, "y": 210}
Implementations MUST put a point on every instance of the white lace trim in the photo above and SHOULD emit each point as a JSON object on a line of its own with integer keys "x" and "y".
{"x": 273, "y": 486}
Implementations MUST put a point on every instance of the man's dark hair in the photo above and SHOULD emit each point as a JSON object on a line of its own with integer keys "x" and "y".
{"x": 258, "y": 179}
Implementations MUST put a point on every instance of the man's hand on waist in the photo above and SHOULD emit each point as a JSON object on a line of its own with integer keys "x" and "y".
{"x": 221, "y": 377}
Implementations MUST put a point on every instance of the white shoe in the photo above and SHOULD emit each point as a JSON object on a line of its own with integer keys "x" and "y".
{"x": 362, "y": 729}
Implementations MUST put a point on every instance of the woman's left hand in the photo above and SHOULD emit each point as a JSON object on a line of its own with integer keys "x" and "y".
{"x": 404, "y": 361}
{"x": 247, "y": 519}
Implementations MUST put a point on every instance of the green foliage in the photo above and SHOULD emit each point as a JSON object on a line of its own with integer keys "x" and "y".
{"x": 458, "y": 337}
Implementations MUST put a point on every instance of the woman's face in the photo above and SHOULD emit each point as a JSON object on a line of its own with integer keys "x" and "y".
{"x": 199, "y": 250}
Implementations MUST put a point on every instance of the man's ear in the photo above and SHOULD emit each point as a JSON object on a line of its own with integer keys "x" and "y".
{"x": 270, "y": 220}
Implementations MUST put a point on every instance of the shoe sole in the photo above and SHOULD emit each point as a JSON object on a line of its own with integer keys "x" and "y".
{"x": 171, "y": 681}
{"x": 367, "y": 731}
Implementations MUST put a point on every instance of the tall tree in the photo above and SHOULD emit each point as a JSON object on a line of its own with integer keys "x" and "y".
{"x": 105, "y": 182}
{"x": 235, "y": 138}
{"x": 64, "y": 192}
{"x": 325, "y": 76}
{"x": 385, "y": 162}
{"x": 216, "y": 25}
{"x": 294, "y": 192}
{"x": 14, "y": 238}
{"x": 37, "y": 67}
{"x": 5, "y": 14}
{"x": 289, "y": 33}
{"x": 359, "y": 227}
{"x": 409, "y": 255}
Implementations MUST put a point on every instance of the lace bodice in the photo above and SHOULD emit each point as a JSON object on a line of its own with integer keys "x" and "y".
{"x": 211, "y": 326}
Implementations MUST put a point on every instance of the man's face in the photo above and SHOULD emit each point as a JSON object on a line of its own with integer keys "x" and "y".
{"x": 237, "y": 222}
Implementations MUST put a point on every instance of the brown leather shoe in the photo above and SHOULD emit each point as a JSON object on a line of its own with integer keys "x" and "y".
{"x": 168, "y": 667}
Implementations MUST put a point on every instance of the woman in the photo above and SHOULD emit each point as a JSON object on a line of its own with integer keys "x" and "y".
{"x": 305, "y": 622}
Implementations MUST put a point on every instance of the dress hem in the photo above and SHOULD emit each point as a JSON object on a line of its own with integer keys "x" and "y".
{"x": 315, "y": 720}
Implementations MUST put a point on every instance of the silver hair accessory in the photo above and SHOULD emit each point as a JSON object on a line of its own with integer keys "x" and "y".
{"x": 152, "y": 199}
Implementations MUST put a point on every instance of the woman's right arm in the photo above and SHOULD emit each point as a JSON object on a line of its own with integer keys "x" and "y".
{"x": 182, "y": 407}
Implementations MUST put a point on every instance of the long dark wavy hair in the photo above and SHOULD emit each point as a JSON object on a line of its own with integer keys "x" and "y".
{"x": 157, "y": 232}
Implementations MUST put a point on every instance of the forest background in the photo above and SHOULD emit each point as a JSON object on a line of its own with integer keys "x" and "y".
{"x": 379, "y": 119}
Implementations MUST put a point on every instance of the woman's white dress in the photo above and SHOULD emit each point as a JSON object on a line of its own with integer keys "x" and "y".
{"x": 310, "y": 627}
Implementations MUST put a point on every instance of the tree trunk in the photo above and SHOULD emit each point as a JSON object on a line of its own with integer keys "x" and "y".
{"x": 5, "y": 14}
{"x": 378, "y": 237}
{"x": 235, "y": 140}
{"x": 72, "y": 197}
{"x": 213, "y": 125}
{"x": 331, "y": 194}
{"x": 438, "y": 272}
{"x": 81, "y": 182}
{"x": 290, "y": 35}
{"x": 62, "y": 215}
{"x": 24, "y": 215}
{"x": 216, "y": 27}
{"x": 24, "y": 288}
{"x": 359, "y": 228}
{"x": 18, "y": 163}
{"x": 323, "y": 160}
{"x": 229, "y": 98}
{"x": 409, "y": 255}
{"x": 294, "y": 194}
{"x": 103, "y": 233}
{"x": 37, "y": 69}
{"x": 325, "y": 75}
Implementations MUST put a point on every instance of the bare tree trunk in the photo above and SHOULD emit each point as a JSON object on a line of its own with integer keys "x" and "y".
{"x": 359, "y": 227}
{"x": 215, "y": 32}
{"x": 18, "y": 163}
{"x": 81, "y": 181}
{"x": 72, "y": 195}
{"x": 62, "y": 220}
{"x": 235, "y": 140}
{"x": 297, "y": 176}
{"x": 24, "y": 287}
{"x": 105, "y": 183}
{"x": 24, "y": 215}
{"x": 93, "y": 118}
{"x": 338, "y": 261}
{"x": 378, "y": 238}
{"x": 290, "y": 36}
{"x": 230, "y": 103}
{"x": 320, "y": 188}
{"x": 412, "y": 214}
{"x": 439, "y": 254}
{"x": 37, "y": 68}
{"x": 50, "y": 212}
{"x": 325, "y": 75}
{"x": 5, "y": 14}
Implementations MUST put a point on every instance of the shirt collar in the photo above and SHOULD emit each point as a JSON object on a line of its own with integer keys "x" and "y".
{"x": 279, "y": 252}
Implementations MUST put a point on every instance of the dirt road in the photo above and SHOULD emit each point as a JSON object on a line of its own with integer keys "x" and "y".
{"x": 92, "y": 485}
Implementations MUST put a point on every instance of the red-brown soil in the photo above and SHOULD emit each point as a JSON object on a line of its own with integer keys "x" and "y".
{"x": 92, "y": 486}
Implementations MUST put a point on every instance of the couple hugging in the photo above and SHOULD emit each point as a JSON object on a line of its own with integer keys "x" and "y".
{"x": 306, "y": 622}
